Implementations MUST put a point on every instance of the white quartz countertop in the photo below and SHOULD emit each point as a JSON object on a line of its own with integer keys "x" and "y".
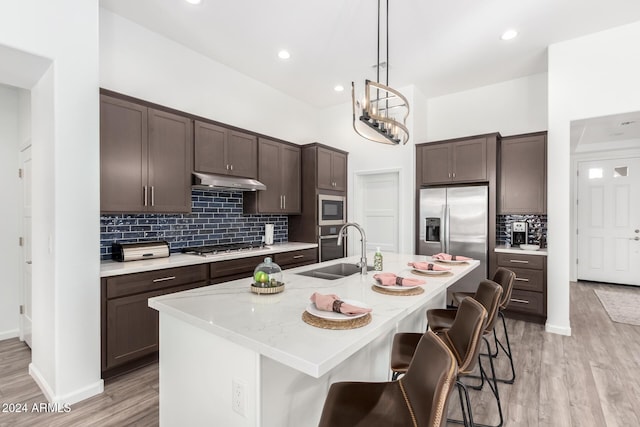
{"x": 272, "y": 325}
{"x": 517, "y": 250}
{"x": 114, "y": 268}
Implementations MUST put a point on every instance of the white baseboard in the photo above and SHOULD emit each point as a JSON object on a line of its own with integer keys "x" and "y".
{"x": 70, "y": 398}
{"x": 13, "y": 333}
{"x": 560, "y": 330}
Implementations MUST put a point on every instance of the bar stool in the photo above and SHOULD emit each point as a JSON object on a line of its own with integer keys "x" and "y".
{"x": 463, "y": 338}
{"x": 420, "y": 398}
{"x": 506, "y": 279}
{"x": 488, "y": 295}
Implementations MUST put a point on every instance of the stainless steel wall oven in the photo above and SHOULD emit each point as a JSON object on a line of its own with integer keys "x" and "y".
{"x": 328, "y": 248}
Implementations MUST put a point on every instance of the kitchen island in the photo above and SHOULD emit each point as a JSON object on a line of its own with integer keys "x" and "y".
{"x": 229, "y": 357}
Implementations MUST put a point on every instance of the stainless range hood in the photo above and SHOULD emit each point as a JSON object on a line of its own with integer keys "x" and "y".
{"x": 225, "y": 182}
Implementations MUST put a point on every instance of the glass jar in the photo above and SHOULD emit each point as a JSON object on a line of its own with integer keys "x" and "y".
{"x": 267, "y": 274}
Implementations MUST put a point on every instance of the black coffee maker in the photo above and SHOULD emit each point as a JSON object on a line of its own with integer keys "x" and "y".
{"x": 519, "y": 233}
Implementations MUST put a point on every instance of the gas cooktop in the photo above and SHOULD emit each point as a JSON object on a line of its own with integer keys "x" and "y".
{"x": 211, "y": 250}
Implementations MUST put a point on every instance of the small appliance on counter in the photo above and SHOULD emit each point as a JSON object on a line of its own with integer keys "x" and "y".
{"x": 138, "y": 251}
{"x": 519, "y": 233}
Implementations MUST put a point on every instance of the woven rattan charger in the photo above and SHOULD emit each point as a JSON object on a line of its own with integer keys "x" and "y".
{"x": 415, "y": 291}
{"x": 319, "y": 322}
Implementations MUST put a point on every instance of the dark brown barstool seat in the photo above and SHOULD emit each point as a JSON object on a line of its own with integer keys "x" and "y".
{"x": 420, "y": 398}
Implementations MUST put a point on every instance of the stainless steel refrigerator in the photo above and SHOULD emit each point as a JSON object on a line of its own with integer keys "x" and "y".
{"x": 455, "y": 220}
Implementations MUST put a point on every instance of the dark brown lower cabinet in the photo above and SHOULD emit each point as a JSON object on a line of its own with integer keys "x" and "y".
{"x": 224, "y": 271}
{"x": 129, "y": 327}
{"x": 529, "y": 296}
{"x": 296, "y": 258}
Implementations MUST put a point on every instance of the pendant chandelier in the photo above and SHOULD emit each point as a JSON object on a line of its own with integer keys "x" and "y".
{"x": 382, "y": 114}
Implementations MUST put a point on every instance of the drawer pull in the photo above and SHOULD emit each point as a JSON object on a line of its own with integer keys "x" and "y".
{"x": 519, "y": 261}
{"x": 520, "y": 279}
{"x": 521, "y": 301}
{"x": 164, "y": 279}
{"x": 298, "y": 256}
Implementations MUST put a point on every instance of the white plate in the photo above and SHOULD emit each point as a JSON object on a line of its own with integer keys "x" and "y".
{"x": 395, "y": 287}
{"x": 434, "y": 272}
{"x": 449, "y": 261}
{"x": 332, "y": 315}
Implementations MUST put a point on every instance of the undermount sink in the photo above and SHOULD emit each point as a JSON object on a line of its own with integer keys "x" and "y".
{"x": 333, "y": 272}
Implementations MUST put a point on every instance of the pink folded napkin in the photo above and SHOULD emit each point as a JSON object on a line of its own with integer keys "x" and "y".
{"x": 334, "y": 303}
{"x": 390, "y": 279}
{"x": 447, "y": 257}
{"x": 428, "y": 266}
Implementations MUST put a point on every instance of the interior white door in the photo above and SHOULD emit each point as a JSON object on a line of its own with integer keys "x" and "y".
{"x": 609, "y": 221}
{"x": 377, "y": 210}
{"x": 25, "y": 259}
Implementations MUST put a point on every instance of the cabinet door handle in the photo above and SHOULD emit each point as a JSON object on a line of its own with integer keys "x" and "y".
{"x": 522, "y": 301}
{"x": 298, "y": 256}
{"x": 281, "y": 201}
{"x": 519, "y": 261}
{"x": 227, "y": 167}
{"x": 454, "y": 175}
{"x": 449, "y": 175}
{"x": 153, "y": 197}
{"x": 520, "y": 279}
{"x": 284, "y": 201}
{"x": 145, "y": 195}
{"x": 231, "y": 167}
{"x": 164, "y": 279}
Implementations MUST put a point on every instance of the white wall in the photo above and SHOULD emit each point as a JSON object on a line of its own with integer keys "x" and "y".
{"x": 588, "y": 77}
{"x": 9, "y": 194}
{"x": 146, "y": 65}
{"x": 511, "y": 108}
{"x": 57, "y": 44}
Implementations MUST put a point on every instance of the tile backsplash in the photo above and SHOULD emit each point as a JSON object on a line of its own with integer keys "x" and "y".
{"x": 216, "y": 218}
{"x": 537, "y": 225}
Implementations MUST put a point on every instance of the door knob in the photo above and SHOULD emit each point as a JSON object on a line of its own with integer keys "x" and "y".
{"x": 634, "y": 238}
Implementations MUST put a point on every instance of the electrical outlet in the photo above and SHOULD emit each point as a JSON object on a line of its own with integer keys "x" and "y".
{"x": 238, "y": 397}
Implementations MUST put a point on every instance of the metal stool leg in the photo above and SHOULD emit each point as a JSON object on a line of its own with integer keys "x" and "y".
{"x": 506, "y": 351}
{"x": 465, "y": 406}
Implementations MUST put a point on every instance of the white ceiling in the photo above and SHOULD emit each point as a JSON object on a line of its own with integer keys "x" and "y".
{"x": 439, "y": 46}
{"x": 620, "y": 131}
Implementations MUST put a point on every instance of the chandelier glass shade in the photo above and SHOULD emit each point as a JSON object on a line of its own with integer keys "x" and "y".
{"x": 381, "y": 115}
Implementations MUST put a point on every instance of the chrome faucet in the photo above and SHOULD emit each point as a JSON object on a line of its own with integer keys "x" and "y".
{"x": 363, "y": 239}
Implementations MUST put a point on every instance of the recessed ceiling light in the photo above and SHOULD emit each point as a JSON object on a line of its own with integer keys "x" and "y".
{"x": 509, "y": 34}
{"x": 283, "y": 54}
{"x": 194, "y": 1}
{"x": 338, "y": 88}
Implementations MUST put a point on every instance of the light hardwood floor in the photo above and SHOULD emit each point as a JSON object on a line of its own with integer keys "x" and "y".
{"x": 589, "y": 379}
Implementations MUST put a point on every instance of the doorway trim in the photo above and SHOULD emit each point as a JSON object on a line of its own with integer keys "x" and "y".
{"x": 576, "y": 158}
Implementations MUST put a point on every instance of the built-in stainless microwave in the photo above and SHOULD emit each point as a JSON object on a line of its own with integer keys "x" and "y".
{"x": 332, "y": 210}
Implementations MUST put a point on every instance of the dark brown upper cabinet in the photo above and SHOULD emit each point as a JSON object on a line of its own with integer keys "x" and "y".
{"x": 224, "y": 151}
{"x": 279, "y": 170}
{"x": 332, "y": 170}
{"x": 453, "y": 162}
{"x": 523, "y": 174}
{"x": 145, "y": 159}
